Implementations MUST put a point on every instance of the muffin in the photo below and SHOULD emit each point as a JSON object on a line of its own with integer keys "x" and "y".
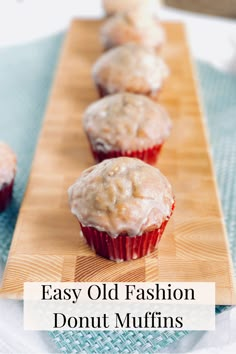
{"x": 112, "y": 7}
{"x": 126, "y": 124}
{"x": 7, "y": 174}
{"x": 133, "y": 26}
{"x": 123, "y": 206}
{"x": 132, "y": 68}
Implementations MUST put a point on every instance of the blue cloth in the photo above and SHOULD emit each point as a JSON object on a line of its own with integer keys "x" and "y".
{"x": 26, "y": 74}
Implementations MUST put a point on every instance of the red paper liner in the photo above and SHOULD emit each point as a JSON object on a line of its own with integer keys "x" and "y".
{"x": 150, "y": 155}
{"x": 123, "y": 247}
{"x": 5, "y": 195}
{"x": 102, "y": 91}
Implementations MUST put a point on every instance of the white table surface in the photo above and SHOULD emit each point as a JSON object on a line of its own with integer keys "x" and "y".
{"x": 212, "y": 40}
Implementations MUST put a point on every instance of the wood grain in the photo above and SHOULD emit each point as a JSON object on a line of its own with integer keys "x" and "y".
{"x": 226, "y": 8}
{"x": 47, "y": 245}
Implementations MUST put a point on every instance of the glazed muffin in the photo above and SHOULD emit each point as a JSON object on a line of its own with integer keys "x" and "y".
{"x": 132, "y": 26}
{"x": 7, "y": 174}
{"x": 132, "y": 68}
{"x": 126, "y": 124}
{"x": 123, "y": 206}
{"x": 112, "y": 7}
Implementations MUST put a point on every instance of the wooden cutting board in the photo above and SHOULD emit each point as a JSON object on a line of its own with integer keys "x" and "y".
{"x": 47, "y": 245}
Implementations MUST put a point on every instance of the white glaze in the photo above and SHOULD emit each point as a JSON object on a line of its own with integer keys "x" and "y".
{"x": 134, "y": 26}
{"x": 126, "y": 122}
{"x": 7, "y": 164}
{"x": 130, "y": 67}
{"x": 121, "y": 195}
{"x": 114, "y": 6}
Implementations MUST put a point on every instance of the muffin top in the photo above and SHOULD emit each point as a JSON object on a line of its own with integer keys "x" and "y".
{"x": 132, "y": 26}
{"x": 7, "y": 164}
{"x": 126, "y": 122}
{"x": 130, "y": 67}
{"x": 113, "y": 6}
{"x": 121, "y": 195}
